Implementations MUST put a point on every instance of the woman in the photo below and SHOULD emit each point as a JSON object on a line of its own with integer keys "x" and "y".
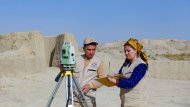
{"x": 134, "y": 69}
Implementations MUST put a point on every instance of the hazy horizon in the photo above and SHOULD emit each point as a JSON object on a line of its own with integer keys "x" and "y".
{"x": 106, "y": 20}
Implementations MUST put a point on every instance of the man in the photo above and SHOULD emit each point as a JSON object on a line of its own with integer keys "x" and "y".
{"x": 88, "y": 68}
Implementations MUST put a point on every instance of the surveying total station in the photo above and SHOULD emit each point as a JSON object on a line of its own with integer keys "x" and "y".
{"x": 67, "y": 71}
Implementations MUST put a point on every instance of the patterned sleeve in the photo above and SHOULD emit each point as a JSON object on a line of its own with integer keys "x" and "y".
{"x": 133, "y": 80}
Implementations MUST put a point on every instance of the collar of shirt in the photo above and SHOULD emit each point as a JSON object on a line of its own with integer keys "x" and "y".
{"x": 86, "y": 61}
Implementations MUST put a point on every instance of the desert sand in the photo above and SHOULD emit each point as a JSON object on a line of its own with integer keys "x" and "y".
{"x": 34, "y": 91}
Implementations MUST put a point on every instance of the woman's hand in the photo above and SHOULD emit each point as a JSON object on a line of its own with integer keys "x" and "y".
{"x": 113, "y": 79}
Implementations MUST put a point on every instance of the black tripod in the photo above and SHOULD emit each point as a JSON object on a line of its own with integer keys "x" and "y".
{"x": 69, "y": 75}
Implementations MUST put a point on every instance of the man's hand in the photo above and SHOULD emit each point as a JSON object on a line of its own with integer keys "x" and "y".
{"x": 58, "y": 63}
{"x": 86, "y": 88}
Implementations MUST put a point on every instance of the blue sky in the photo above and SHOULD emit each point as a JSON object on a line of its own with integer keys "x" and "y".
{"x": 105, "y": 20}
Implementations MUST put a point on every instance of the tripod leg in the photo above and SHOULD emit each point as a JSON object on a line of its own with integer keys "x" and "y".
{"x": 54, "y": 92}
{"x": 69, "y": 90}
{"x": 80, "y": 92}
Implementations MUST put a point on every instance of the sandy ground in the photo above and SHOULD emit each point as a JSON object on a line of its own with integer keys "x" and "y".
{"x": 34, "y": 91}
